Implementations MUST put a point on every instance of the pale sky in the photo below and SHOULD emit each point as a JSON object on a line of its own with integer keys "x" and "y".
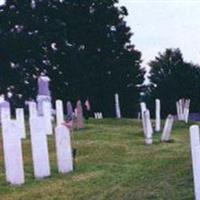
{"x": 161, "y": 24}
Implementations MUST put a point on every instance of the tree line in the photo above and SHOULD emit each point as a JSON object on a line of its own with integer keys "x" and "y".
{"x": 85, "y": 47}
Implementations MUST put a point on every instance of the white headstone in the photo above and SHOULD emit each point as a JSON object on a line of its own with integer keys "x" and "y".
{"x": 195, "y": 150}
{"x": 143, "y": 109}
{"x": 186, "y": 110}
{"x": 166, "y": 135}
{"x": 59, "y": 112}
{"x": 63, "y": 149}
{"x": 5, "y": 114}
{"x": 117, "y": 106}
{"x": 21, "y": 122}
{"x": 47, "y": 116}
{"x": 32, "y": 109}
{"x": 148, "y": 128}
{"x": 39, "y": 146}
{"x": 12, "y": 148}
{"x": 157, "y": 128}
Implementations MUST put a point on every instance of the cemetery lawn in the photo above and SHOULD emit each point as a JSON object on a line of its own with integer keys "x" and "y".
{"x": 112, "y": 163}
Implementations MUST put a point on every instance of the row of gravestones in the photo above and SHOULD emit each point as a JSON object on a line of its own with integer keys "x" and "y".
{"x": 13, "y": 131}
{"x": 182, "y": 113}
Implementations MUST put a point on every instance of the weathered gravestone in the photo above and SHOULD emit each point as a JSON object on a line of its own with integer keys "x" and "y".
{"x": 12, "y": 148}
{"x": 63, "y": 149}
{"x": 195, "y": 150}
{"x": 166, "y": 135}
{"x": 117, "y": 107}
{"x": 39, "y": 146}
{"x": 80, "y": 119}
{"x": 148, "y": 127}
{"x": 59, "y": 112}
{"x": 21, "y": 122}
{"x": 44, "y": 94}
{"x": 158, "y": 123}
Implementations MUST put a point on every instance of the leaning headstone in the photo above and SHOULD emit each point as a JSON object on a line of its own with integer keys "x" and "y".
{"x": 12, "y": 148}
{"x": 47, "y": 117}
{"x": 63, "y": 149}
{"x": 80, "y": 119}
{"x": 148, "y": 128}
{"x": 195, "y": 150}
{"x": 39, "y": 146}
{"x": 157, "y": 127}
{"x": 59, "y": 112}
{"x": 21, "y": 122}
{"x": 117, "y": 107}
{"x": 166, "y": 135}
{"x": 44, "y": 94}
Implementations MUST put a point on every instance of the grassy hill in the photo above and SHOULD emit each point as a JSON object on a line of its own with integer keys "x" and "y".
{"x": 112, "y": 163}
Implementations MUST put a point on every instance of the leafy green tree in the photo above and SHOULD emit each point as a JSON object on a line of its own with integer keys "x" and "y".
{"x": 84, "y": 46}
{"x": 171, "y": 79}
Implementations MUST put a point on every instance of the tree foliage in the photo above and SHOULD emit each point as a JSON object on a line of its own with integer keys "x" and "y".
{"x": 172, "y": 79}
{"x": 83, "y": 45}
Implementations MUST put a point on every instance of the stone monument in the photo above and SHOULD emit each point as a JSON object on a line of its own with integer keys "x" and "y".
{"x": 44, "y": 93}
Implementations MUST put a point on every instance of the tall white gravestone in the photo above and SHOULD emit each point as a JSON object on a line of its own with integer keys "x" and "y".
{"x": 47, "y": 117}
{"x": 59, "y": 112}
{"x": 21, "y": 122}
{"x": 39, "y": 146}
{"x": 158, "y": 124}
{"x": 186, "y": 110}
{"x": 195, "y": 150}
{"x": 117, "y": 107}
{"x": 32, "y": 110}
{"x": 12, "y": 148}
{"x": 148, "y": 128}
{"x": 143, "y": 109}
{"x": 63, "y": 149}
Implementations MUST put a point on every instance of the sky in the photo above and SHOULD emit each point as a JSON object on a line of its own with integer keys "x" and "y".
{"x": 161, "y": 24}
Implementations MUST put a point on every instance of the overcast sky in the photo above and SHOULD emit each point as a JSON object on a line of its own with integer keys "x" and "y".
{"x": 160, "y": 24}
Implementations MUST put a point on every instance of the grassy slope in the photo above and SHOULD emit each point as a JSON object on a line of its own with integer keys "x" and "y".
{"x": 113, "y": 163}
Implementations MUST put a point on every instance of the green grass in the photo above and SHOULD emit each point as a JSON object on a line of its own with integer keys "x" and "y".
{"x": 112, "y": 163}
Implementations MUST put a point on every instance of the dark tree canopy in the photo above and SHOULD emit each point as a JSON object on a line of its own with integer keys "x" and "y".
{"x": 83, "y": 45}
{"x": 171, "y": 79}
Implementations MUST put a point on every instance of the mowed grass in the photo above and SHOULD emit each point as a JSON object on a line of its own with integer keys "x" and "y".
{"x": 112, "y": 163}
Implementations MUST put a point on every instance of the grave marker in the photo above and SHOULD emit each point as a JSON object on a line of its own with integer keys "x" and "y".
{"x": 12, "y": 149}
{"x": 39, "y": 146}
{"x": 21, "y": 121}
{"x": 47, "y": 117}
{"x": 157, "y": 127}
{"x": 117, "y": 107}
{"x": 59, "y": 112}
{"x": 166, "y": 135}
{"x": 195, "y": 150}
{"x": 63, "y": 149}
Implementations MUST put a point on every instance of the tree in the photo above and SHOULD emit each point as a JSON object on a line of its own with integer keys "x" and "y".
{"x": 84, "y": 46}
{"x": 172, "y": 79}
